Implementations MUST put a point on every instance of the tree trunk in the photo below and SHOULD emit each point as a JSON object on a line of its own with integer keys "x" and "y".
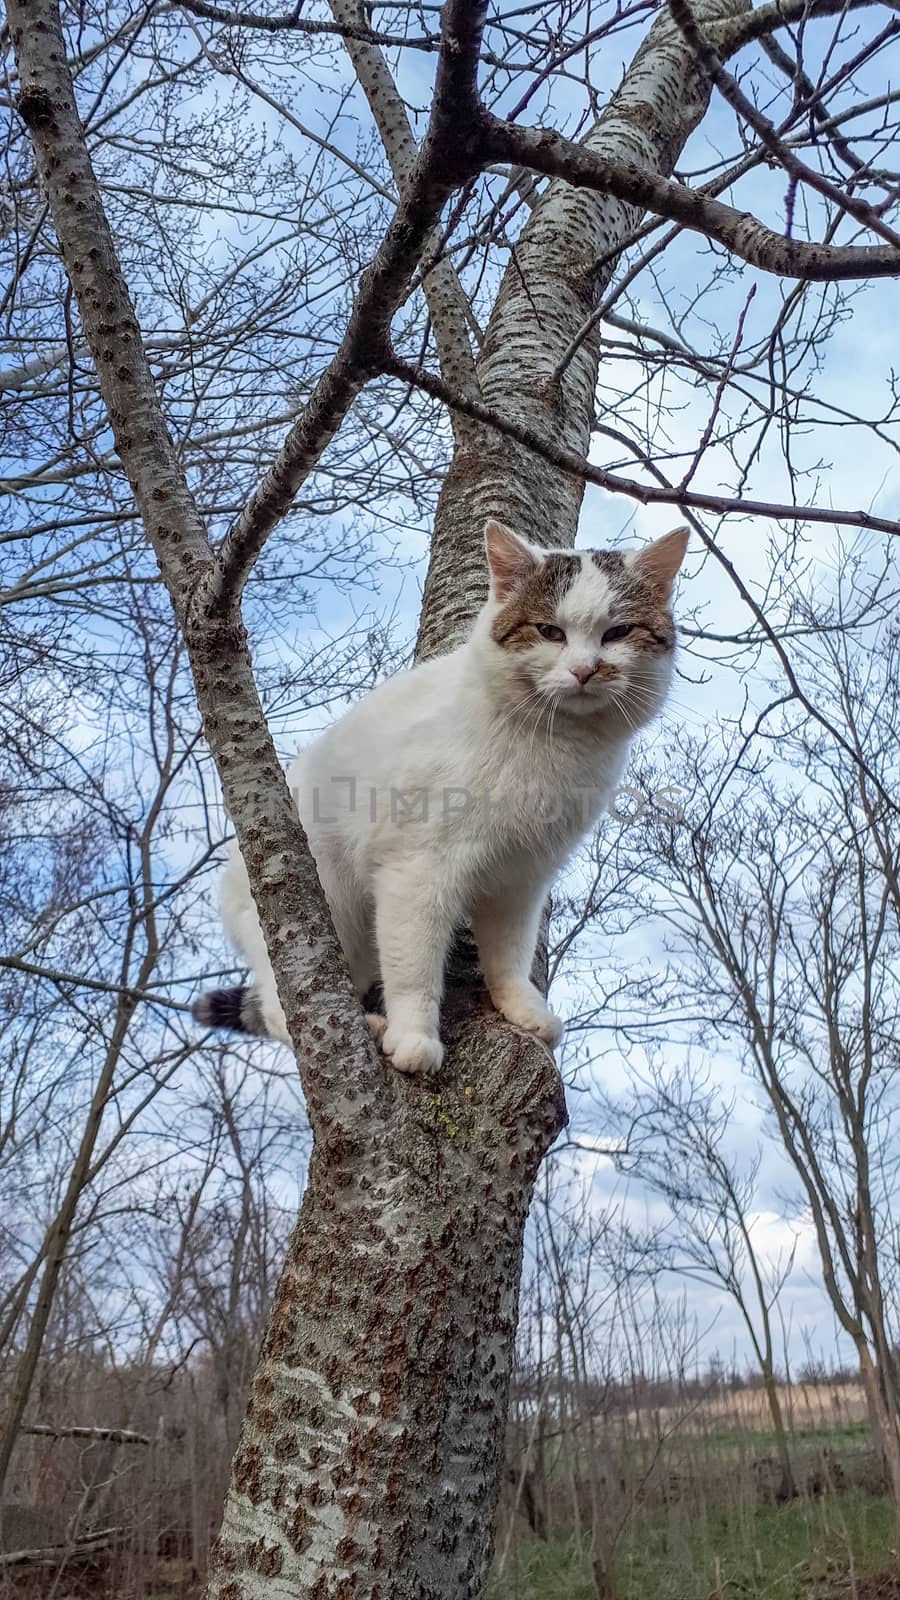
{"x": 562, "y": 265}
{"x": 373, "y": 1435}
{"x": 370, "y": 1461}
{"x": 884, "y": 1433}
{"x": 788, "y": 1488}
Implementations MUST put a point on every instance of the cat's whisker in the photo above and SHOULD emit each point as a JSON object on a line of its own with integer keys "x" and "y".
{"x": 535, "y": 700}
{"x": 621, "y": 705}
{"x": 649, "y": 697}
{"x": 554, "y": 708}
{"x": 553, "y": 711}
{"x": 529, "y": 719}
{"x": 546, "y": 701}
{"x": 518, "y": 715}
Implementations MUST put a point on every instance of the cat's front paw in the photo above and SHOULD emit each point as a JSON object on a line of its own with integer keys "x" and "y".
{"x": 526, "y": 1009}
{"x": 413, "y": 1052}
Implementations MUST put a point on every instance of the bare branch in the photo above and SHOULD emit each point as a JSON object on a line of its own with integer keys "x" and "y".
{"x": 49, "y": 1555}
{"x": 451, "y": 151}
{"x": 646, "y": 494}
{"x": 443, "y": 292}
{"x": 68, "y": 979}
{"x": 293, "y": 22}
{"x": 545, "y": 150}
{"x": 735, "y": 32}
{"x": 44, "y": 1430}
{"x": 796, "y": 169}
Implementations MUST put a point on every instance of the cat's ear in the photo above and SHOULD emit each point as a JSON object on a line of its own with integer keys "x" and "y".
{"x": 658, "y": 562}
{"x": 511, "y": 560}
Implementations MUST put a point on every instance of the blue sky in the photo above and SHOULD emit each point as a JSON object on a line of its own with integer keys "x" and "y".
{"x": 847, "y": 466}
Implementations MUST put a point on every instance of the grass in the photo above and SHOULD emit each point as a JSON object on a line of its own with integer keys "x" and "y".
{"x": 806, "y": 1550}
{"x": 842, "y": 1437}
{"x": 732, "y": 1444}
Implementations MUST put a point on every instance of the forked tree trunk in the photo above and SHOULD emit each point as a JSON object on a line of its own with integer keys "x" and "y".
{"x": 370, "y": 1461}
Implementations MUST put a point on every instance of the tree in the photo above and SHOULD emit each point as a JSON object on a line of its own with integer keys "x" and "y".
{"x": 88, "y": 1084}
{"x": 369, "y": 1458}
{"x": 675, "y": 1142}
{"x": 781, "y": 901}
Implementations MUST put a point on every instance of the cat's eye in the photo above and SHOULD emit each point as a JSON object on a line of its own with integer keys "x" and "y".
{"x": 549, "y": 630}
{"x": 620, "y": 631}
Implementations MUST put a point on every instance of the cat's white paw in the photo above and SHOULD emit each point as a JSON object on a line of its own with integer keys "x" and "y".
{"x": 413, "y": 1052}
{"x": 527, "y": 1011}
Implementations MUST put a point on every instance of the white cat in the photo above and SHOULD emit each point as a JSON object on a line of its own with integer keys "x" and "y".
{"x": 454, "y": 792}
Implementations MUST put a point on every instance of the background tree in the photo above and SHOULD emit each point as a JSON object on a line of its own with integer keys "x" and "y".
{"x": 674, "y": 1140}
{"x": 783, "y": 920}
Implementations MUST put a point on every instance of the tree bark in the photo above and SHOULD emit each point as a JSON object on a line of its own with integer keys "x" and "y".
{"x": 371, "y": 1449}
{"x": 559, "y": 272}
{"x": 370, "y": 1461}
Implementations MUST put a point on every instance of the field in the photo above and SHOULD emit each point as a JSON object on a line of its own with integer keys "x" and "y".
{"x": 817, "y": 1408}
{"x": 806, "y": 1550}
{"x": 694, "y": 1513}
{"x": 665, "y": 1502}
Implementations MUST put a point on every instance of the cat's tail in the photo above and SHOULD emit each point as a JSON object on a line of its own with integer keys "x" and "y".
{"x": 239, "y": 1010}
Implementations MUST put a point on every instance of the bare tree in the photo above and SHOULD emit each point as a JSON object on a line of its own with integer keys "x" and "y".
{"x": 781, "y": 897}
{"x": 94, "y": 1088}
{"x": 675, "y": 1140}
{"x": 369, "y": 1458}
{"x": 135, "y": 1438}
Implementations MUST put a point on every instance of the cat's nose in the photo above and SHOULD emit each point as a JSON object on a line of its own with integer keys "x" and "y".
{"x": 582, "y": 674}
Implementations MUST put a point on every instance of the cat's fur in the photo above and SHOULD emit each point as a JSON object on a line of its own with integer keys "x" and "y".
{"x": 454, "y": 792}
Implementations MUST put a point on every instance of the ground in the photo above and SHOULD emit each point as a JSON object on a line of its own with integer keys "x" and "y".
{"x": 647, "y": 1504}
{"x": 696, "y": 1518}
{"x": 807, "y": 1550}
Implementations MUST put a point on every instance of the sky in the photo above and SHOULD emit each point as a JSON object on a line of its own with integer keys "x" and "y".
{"x": 837, "y": 467}
{"x": 842, "y": 468}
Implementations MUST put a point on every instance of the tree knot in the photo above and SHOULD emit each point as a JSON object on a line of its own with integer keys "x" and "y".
{"x": 36, "y": 108}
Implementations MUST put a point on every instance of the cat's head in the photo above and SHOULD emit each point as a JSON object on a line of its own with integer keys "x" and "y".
{"x": 586, "y": 631}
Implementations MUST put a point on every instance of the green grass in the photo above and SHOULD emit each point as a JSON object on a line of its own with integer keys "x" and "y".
{"x": 745, "y": 1444}
{"x": 846, "y": 1437}
{"x": 802, "y": 1551}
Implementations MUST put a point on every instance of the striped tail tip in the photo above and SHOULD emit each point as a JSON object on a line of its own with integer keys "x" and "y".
{"x": 238, "y": 1010}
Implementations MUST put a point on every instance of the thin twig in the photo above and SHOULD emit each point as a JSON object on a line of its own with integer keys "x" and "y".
{"x": 646, "y": 494}
{"x": 717, "y": 398}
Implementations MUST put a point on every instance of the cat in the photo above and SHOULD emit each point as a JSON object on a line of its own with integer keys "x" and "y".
{"x": 454, "y": 792}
